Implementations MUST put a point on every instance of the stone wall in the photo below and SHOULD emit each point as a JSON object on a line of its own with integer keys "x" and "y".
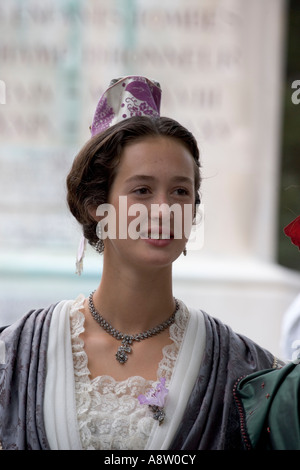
{"x": 220, "y": 65}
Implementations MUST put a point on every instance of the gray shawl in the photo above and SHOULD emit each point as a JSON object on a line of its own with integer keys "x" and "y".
{"x": 210, "y": 421}
{"x": 22, "y": 378}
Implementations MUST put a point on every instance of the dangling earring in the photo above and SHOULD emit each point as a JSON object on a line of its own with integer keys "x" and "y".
{"x": 184, "y": 251}
{"x": 99, "y": 246}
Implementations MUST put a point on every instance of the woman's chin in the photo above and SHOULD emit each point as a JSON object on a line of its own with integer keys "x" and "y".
{"x": 159, "y": 252}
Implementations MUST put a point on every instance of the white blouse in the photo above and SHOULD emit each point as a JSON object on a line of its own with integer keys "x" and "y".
{"x": 109, "y": 414}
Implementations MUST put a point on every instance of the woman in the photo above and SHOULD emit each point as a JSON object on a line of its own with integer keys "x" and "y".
{"x": 130, "y": 367}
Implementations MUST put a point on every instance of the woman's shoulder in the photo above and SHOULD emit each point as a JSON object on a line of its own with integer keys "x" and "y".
{"x": 35, "y": 321}
{"x": 222, "y": 339}
{"x": 41, "y": 313}
{"x": 33, "y": 327}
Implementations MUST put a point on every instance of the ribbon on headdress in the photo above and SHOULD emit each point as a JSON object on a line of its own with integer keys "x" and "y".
{"x": 80, "y": 255}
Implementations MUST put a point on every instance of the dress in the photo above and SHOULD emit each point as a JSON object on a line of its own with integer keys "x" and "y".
{"x": 108, "y": 413}
{"x": 268, "y": 403}
{"x": 201, "y": 410}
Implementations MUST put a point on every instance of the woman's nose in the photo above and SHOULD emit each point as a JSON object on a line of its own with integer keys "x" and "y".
{"x": 162, "y": 199}
{"x": 161, "y": 212}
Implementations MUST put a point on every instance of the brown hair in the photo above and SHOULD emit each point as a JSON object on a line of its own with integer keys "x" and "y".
{"x": 94, "y": 167}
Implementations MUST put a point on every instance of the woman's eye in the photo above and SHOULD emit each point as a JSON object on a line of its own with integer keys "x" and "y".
{"x": 182, "y": 191}
{"x": 141, "y": 191}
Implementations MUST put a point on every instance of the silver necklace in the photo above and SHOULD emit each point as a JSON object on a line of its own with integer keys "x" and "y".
{"x": 127, "y": 340}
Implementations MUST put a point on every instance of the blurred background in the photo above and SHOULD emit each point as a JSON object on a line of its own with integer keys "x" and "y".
{"x": 226, "y": 68}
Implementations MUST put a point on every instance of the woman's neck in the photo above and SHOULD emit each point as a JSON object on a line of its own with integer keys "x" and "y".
{"x": 133, "y": 300}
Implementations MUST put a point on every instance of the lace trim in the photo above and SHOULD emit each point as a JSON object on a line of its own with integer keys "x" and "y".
{"x": 108, "y": 412}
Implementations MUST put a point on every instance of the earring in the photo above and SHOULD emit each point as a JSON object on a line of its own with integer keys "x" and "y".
{"x": 184, "y": 252}
{"x": 99, "y": 246}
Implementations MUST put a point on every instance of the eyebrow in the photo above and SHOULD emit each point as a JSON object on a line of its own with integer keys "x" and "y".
{"x": 175, "y": 179}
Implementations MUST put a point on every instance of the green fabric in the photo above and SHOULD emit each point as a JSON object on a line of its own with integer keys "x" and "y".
{"x": 270, "y": 411}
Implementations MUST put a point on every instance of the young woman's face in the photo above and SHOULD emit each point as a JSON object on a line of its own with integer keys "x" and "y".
{"x": 155, "y": 185}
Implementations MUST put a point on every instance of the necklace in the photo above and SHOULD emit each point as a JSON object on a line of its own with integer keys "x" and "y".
{"x": 127, "y": 340}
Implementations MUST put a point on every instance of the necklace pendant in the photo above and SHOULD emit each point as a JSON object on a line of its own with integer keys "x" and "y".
{"x": 122, "y": 352}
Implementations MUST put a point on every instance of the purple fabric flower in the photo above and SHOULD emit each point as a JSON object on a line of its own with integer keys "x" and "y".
{"x": 155, "y": 397}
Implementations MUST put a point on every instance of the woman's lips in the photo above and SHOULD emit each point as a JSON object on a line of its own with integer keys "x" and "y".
{"x": 158, "y": 242}
{"x": 158, "y": 237}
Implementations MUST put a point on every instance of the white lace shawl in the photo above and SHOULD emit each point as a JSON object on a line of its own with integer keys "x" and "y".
{"x": 105, "y": 414}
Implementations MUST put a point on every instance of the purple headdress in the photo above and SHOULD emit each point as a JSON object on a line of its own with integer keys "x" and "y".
{"x": 126, "y": 97}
